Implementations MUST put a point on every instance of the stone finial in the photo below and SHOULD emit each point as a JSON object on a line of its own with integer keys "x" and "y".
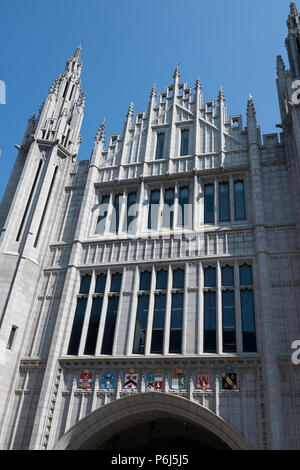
{"x": 130, "y": 110}
{"x": 251, "y": 113}
{"x": 198, "y": 85}
{"x": 221, "y": 96}
{"x": 280, "y": 64}
{"x": 77, "y": 52}
{"x": 153, "y": 91}
{"x": 177, "y": 72}
{"x": 81, "y": 100}
{"x": 293, "y": 9}
{"x": 31, "y": 117}
{"x": 100, "y": 136}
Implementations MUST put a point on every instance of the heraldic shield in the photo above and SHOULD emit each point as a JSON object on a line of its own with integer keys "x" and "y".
{"x": 85, "y": 381}
{"x": 229, "y": 381}
{"x": 108, "y": 381}
{"x": 154, "y": 381}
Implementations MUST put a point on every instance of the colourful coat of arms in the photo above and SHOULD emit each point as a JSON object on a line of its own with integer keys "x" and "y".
{"x": 131, "y": 381}
{"x": 229, "y": 381}
{"x": 108, "y": 381}
{"x": 85, "y": 381}
{"x": 154, "y": 381}
{"x": 178, "y": 381}
{"x": 203, "y": 382}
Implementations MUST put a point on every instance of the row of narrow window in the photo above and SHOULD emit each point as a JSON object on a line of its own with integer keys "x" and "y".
{"x": 160, "y": 142}
{"x": 184, "y": 208}
{"x": 228, "y": 293}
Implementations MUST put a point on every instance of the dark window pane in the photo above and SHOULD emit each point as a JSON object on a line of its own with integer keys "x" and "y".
{"x": 239, "y": 200}
{"x": 116, "y": 282}
{"x": 158, "y": 324}
{"x": 209, "y": 277}
{"x": 115, "y": 221}
{"x": 103, "y": 214}
{"x": 85, "y": 284}
{"x": 100, "y": 283}
{"x": 183, "y": 207}
{"x": 228, "y": 320}
{"x": 141, "y": 325}
{"x": 209, "y": 204}
{"x": 145, "y": 280}
{"x": 248, "y": 321}
{"x": 77, "y": 326}
{"x": 168, "y": 210}
{"x": 161, "y": 279}
{"x": 210, "y": 322}
{"x": 184, "y": 147}
{"x": 176, "y": 323}
{"x": 246, "y": 275}
{"x": 92, "y": 334}
{"x": 227, "y": 276}
{"x": 153, "y": 209}
{"x": 178, "y": 279}
{"x": 110, "y": 324}
{"x": 131, "y": 212}
{"x": 223, "y": 202}
{"x": 160, "y": 146}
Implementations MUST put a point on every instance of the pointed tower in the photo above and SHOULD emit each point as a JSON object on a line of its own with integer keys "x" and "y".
{"x": 31, "y": 205}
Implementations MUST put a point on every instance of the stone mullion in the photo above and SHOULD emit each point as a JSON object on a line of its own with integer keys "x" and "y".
{"x": 238, "y": 312}
{"x": 185, "y": 311}
{"x": 103, "y": 314}
{"x": 115, "y": 342}
{"x": 200, "y": 324}
{"x": 87, "y": 315}
{"x": 219, "y": 326}
{"x": 168, "y": 312}
{"x": 71, "y": 402}
{"x": 133, "y": 313}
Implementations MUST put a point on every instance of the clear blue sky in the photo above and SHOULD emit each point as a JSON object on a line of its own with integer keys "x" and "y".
{"x": 130, "y": 44}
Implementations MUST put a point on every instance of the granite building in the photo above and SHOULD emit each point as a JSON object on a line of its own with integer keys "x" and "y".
{"x": 150, "y": 296}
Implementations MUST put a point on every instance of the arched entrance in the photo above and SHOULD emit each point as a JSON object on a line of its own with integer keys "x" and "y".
{"x": 149, "y": 421}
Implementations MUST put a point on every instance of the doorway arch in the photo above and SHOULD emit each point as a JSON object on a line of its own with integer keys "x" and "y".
{"x": 141, "y": 418}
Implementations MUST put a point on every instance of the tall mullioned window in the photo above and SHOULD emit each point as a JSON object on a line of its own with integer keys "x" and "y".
{"x": 209, "y": 204}
{"x": 131, "y": 212}
{"x": 239, "y": 200}
{"x": 157, "y": 339}
{"x": 111, "y": 314}
{"x": 176, "y": 312}
{"x": 168, "y": 210}
{"x": 79, "y": 315}
{"x": 101, "y": 223}
{"x": 247, "y": 309}
{"x": 224, "y": 202}
{"x": 184, "y": 144}
{"x": 160, "y": 146}
{"x": 228, "y": 310}
{"x": 183, "y": 207}
{"x": 210, "y": 326}
{"x": 115, "y": 221}
{"x": 93, "y": 328}
{"x": 142, "y": 313}
{"x": 153, "y": 209}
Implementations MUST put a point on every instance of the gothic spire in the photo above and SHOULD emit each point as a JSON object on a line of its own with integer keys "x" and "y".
{"x": 293, "y": 9}
{"x": 198, "y": 85}
{"x": 221, "y": 96}
{"x": 130, "y": 111}
{"x": 280, "y": 64}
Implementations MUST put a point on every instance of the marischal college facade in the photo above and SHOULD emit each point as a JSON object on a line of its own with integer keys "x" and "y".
{"x": 149, "y": 297}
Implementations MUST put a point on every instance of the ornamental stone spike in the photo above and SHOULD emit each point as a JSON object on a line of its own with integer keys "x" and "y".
{"x": 198, "y": 85}
{"x": 293, "y": 9}
{"x": 280, "y": 64}
{"x": 130, "y": 110}
{"x": 81, "y": 100}
{"x": 251, "y": 113}
{"x": 100, "y": 136}
{"x": 153, "y": 91}
{"x": 177, "y": 72}
{"x": 221, "y": 96}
